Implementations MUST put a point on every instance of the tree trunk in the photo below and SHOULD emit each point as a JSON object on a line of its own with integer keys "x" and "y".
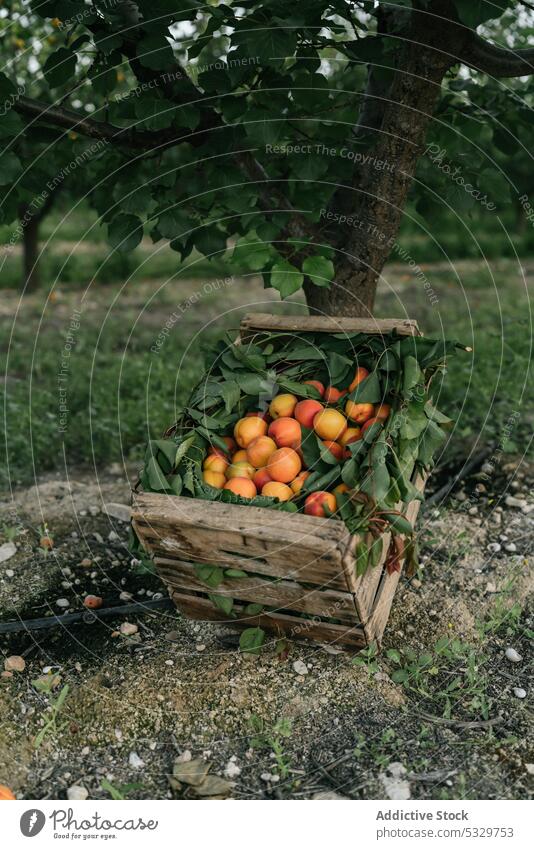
{"x": 30, "y": 246}
{"x": 374, "y": 199}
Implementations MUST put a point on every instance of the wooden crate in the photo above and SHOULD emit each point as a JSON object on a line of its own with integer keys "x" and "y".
{"x": 300, "y": 567}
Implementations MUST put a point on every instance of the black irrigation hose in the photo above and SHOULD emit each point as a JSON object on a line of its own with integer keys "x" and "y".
{"x": 87, "y": 617}
{"x": 464, "y": 471}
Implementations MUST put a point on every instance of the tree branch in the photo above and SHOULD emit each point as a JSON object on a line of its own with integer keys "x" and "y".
{"x": 481, "y": 55}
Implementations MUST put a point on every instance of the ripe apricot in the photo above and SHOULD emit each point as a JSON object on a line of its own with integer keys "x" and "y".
{"x": 240, "y": 470}
{"x": 305, "y": 411}
{"x": 359, "y": 412}
{"x": 317, "y": 501}
{"x": 316, "y": 384}
{"x": 232, "y": 444}
{"x": 298, "y": 483}
{"x": 241, "y": 486}
{"x": 370, "y": 422}
{"x": 361, "y": 374}
{"x": 6, "y": 793}
{"x": 259, "y": 451}
{"x": 215, "y": 463}
{"x": 275, "y": 489}
{"x": 260, "y": 478}
{"x": 334, "y": 449}
{"x": 282, "y": 405}
{"x": 342, "y": 487}
{"x": 216, "y": 479}
{"x": 284, "y": 465}
{"x": 286, "y": 432}
{"x": 352, "y": 434}
{"x": 241, "y": 455}
{"x": 248, "y": 429}
{"x": 332, "y": 395}
{"x": 382, "y": 411}
{"x": 329, "y": 424}
{"x": 93, "y": 602}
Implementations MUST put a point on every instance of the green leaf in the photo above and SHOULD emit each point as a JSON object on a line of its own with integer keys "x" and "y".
{"x": 176, "y": 484}
{"x": 125, "y": 232}
{"x": 432, "y": 437}
{"x": 154, "y": 52}
{"x": 253, "y": 609}
{"x": 472, "y": 13}
{"x": 377, "y": 482}
{"x": 399, "y": 523}
{"x": 400, "y": 676}
{"x": 362, "y": 558}
{"x": 209, "y": 574}
{"x": 251, "y": 640}
{"x": 412, "y": 374}
{"x": 252, "y": 252}
{"x": 223, "y": 602}
{"x": 235, "y": 573}
{"x": 285, "y": 278}
{"x": 231, "y": 394}
{"x": 10, "y": 167}
{"x": 59, "y": 67}
{"x": 156, "y": 479}
{"x": 319, "y": 269}
{"x": 368, "y": 391}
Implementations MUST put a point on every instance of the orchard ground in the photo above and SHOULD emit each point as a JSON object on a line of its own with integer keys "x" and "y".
{"x": 450, "y": 716}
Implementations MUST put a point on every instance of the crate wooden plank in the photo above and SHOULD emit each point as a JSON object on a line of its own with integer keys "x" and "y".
{"x": 280, "y": 594}
{"x": 196, "y": 607}
{"x": 327, "y": 324}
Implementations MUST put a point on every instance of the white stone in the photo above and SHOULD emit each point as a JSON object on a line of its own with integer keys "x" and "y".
{"x": 185, "y": 757}
{"x": 77, "y": 793}
{"x": 232, "y": 770}
{"x": 395, "y": 786}
{"x": 7, "y": 550}
{"x": 113, "y": 536}
{"x": 300, "y": 667}
{"x": 125, "y": 596}
{"x": 10, "y": 573}
{"x": 519, "y": 693}
{"x": 512, "y": 655}
{"x": 511, "y": 547}
{"x": 128, "y": 629}
{"x": 512, "y": 501}
{"x": 62, "y": 602}
{"x": 494, "y": 547}
{"x": 135, "y": 761}
{"x": 14, "y": 663}
{"x": 122, "y": 512}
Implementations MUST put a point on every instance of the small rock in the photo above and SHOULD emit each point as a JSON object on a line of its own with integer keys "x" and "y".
{"x": 300, "y": 667}
{"x": 62, "y": 602}
{"x": 98, "y": 537}
{"x": 6, "y": 674}
{"x": 125, "y": 596}
{"x": 473, "y": 511}
{"x": 527, "y": 508}
{"x": 113, "y": 536}
{"x": 94, "y": 510}
{"x": 512, "y": 501}
{"x": 185, "y": 757}
{"x": 127, "y": 629}
{"x": 135, "y": 761}
{"x": 10, "y": 573}
{"x": 122, "y": 512}
{"x": 77, "y": 793}
{"x": 200, "y": 647}
{"x": 232, "y": 770}
{"x": 395, "y": 786}
{"x": 416, "y": 583}
{"x": 7, "y": 550}
{"x": 487, "y": 468}
{"x": 494, "y": 547}
{"x": 512, "y": 655}
{"x": 530, "y": 768}
{"x": 86, "y": 562}
{"x": 519, "y": 693}
{"x": 461, "y": 496}
{"x": 511, "y": 547}
{"x": 14, "y": 663}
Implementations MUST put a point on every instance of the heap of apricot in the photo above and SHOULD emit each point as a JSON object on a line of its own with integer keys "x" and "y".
{"x": 265, "y": 457}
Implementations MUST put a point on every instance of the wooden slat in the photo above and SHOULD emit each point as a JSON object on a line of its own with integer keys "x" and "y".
{"x": 327, "y": 324}
{"x": 280, "y": 594}
{"x": 195, "y": 607}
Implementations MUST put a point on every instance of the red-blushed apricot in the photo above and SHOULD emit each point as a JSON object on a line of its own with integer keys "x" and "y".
{"x": 260, "y": 478}
{"x": 215, "y": 479}
{"x": 286, "y": 432}
{"x": 262, "y": 414}
{"x": 342, "y": 487}
{"x": 215, "y": 463}
{"x": 248, "y": 429}
{"x": 284, "y": 465}
{"x": 297, "y": 484}
{"x": 371, "y": 422}
{"x": 335, "y": 449}
{"x": 242, "y": 486}
{"x": 259, "y": 451}
{"x": 241, "y": 455}
{"x": 240, "y": 470}
{"x": 231, "y": 443}
{"x": 361, "y": 374}
{"x": 382, "y": 411}
{"x": 332, "y": 395}
{"x": 359, "y": 412}
{"x": 317, "y": 501}
{"x": 305, "y": 411}
{"x": 93, "y": 602}
{"x": 275, "y": 489}
{"x": 6, "y": 794}
{"x": 316, "y": 384}
{"x": 282, "y": 405}
{"x": 352, "y": 434}
{"x": 329, "y": 424}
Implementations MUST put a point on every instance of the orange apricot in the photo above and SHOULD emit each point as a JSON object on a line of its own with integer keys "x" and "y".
{"x": 6, "y": 793}
{"x": 241, "y": 486}
{"x": 241, "y": 455}
{"x": 361, "y": 374}
{"x": 305, "y": 411}
{"x": 259, "y": 451}
{"x": 275, "y": 489}
{"x": 329, "y": 424}
{"x": 248, "y": 429}
{"x": 382, "y": 411}
{"x": 215, "y": 479}
{"x": 261, "y": 477}
{"x": 332, "y": 395}
{"x": 297, "y": 484}
{"x": 240, "y": 470}
{"x": 317, "y": 501}
{"x": 286, "y": 432}
{"x": 282, "y": 405}
{"x": 215, "y": 463}
{"x": 316, "y": 384}
{"x": 284, "y": 465}
{"x": 341, "y": 487}
{"x": 231, "y": 443}
{"x": 370, "y": 422}
{"x": 359, "y": 412}
{"x": 352, "y": 434}
{"x": 335, "y": 449}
